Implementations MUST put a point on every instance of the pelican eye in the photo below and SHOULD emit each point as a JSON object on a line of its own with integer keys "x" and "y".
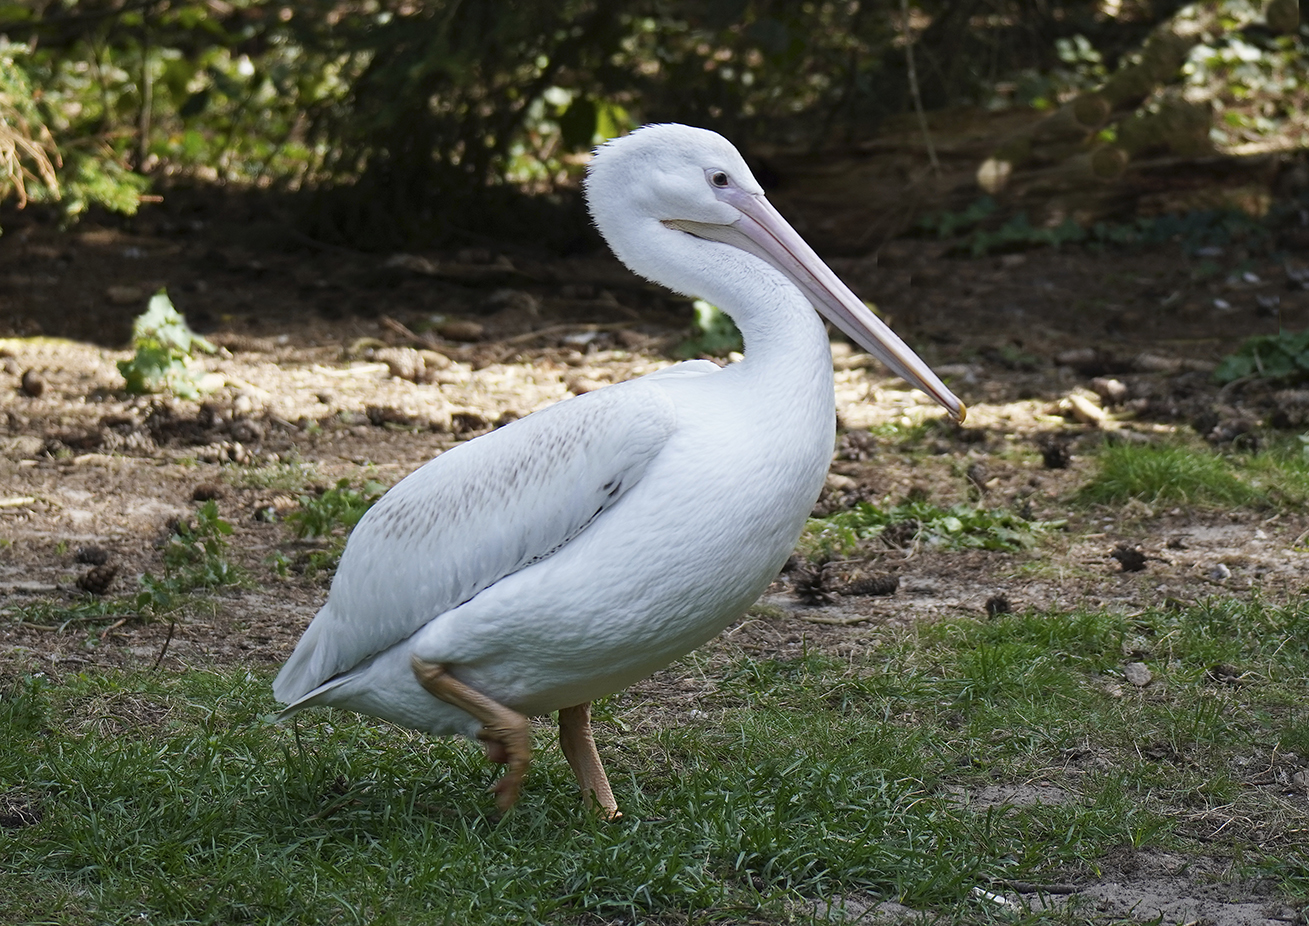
{"x": 719, "y": 178}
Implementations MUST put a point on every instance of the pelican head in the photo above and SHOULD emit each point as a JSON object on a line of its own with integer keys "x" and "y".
{"x": 674, "y": 180}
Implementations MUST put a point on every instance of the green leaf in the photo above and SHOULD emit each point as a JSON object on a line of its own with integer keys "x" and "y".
{"x": 164, "y": 343}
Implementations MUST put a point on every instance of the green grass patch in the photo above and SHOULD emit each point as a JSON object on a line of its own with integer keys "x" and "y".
{"x": 1281, "y": 468}
{"x": 280, "y": 477}
{"x": 1166, "y": 473}
{"x": 168, "y": 797}
{"x": 1179, "y": 474}
{"x": 61, "y": 614}
{"x": 915, "y": 521}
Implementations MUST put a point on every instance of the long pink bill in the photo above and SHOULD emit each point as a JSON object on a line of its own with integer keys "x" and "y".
{"x": 762, "y": 231}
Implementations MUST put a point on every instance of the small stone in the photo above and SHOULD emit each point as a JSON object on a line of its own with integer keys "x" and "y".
{"x": 581, "y": 385}
{"x": 515, "y": 300}
{"x": 467, "y": 423}
{"x": 1219, "y": 572}
{"x": 1154, "y": 363}
{"x": 1078, "y": 356}
{"x": 247, "y": 430}
{"x": 1111, "y": 391}
{"x": 1267, "y": 306}
{"x": 460, "y": 329}
{"x": 32, "y": 384}
{"x": 1138, "y": 674}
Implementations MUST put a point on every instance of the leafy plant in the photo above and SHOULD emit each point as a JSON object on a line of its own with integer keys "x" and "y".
{"x": 1018, "y": 233}
{"x": 164, "y": 346}
{"x": 959, "y": 527}
{"x": 947, "y": 224}
{"x": 339, "y": 507}
{"x": 329, "y": 515}
{"x": 717, "y": 333}
{"x": 195, "y": 556}
{"x": 1283, "y": 356}
{"x": 979, "y": 234}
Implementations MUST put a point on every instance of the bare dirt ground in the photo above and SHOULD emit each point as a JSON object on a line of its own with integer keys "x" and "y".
{"x": 323, "y": 377}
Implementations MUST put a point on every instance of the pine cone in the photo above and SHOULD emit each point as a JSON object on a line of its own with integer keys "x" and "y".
{"x": 810, "y": 584}
{"x": 873, "y": 585}
{"x": 97, "y": 579}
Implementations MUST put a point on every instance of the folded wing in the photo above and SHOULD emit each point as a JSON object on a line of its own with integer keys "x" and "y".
{"x": 475, "y": 514}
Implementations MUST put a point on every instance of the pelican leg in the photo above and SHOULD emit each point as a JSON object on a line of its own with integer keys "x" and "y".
{"x": 578, "y": 744}
{"x": 504, "y": 732}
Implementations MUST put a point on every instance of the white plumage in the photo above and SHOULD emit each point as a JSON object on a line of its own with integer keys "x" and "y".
{"x": 582, "y": 548}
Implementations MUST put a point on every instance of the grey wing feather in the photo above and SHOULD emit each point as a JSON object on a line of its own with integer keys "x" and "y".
{"x": 474, "y": 515}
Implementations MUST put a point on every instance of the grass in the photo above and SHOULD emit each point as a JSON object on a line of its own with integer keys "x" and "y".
{"x": 280, "y": 477}
{"x": 1182, "y": 474}
{"x": 1166, "y": 473}
{"x": 169, "y": 798}
{"x": 959, "y": 527}
{"x": 1281, "y": 469}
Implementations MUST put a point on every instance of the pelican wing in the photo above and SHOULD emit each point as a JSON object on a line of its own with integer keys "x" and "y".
{"x": 478, "y": 513}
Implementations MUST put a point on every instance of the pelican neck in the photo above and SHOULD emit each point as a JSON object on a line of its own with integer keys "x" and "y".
{"x": 785, "y": 342}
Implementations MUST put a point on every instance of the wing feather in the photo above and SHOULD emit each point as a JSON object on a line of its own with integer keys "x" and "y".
{"x": 475, "y": 514}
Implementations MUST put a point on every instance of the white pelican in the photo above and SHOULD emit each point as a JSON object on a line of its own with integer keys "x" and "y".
{"x": 586, "y": 546}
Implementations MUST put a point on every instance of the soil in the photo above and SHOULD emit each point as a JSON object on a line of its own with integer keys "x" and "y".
{"x": 341, "y": 364}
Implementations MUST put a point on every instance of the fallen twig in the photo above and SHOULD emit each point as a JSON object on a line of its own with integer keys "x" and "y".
{"x": 114, "y": 626}
{"x": 164, "y": 649}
